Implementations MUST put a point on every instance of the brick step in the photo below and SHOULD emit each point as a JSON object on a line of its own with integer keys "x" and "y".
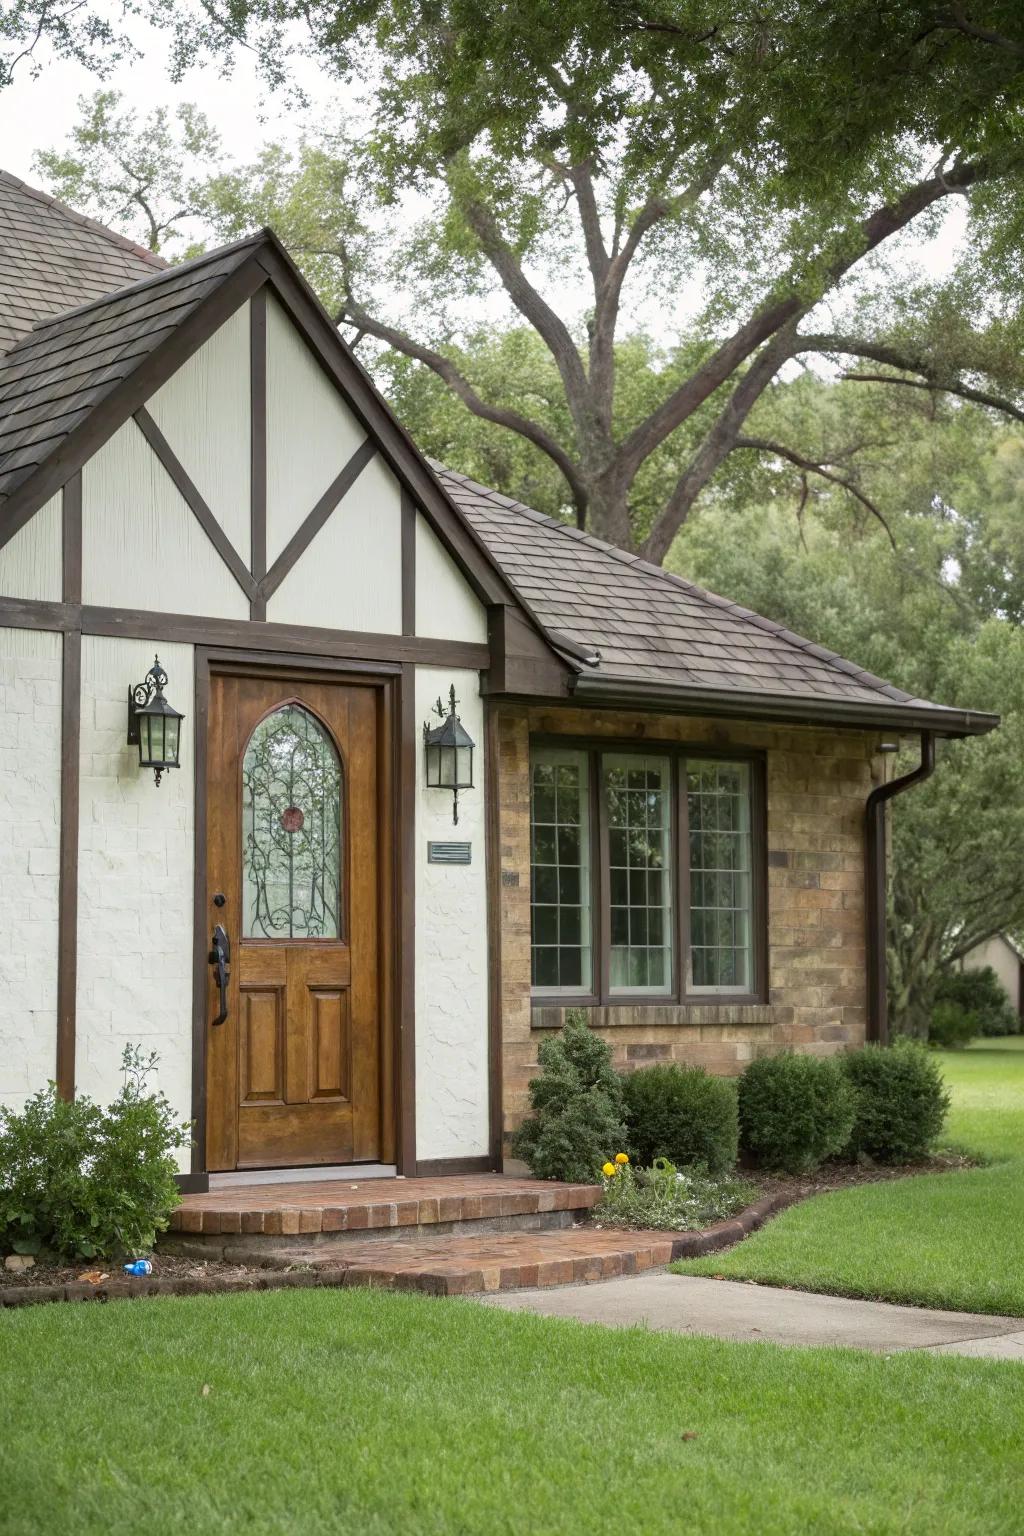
{"x": 461, "y": 1265}
{"x": 268, "y": 1217}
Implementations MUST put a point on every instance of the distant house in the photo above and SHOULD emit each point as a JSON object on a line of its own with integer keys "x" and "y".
{"x": 1005, "y": 957}
{"x": 664, "y": 801}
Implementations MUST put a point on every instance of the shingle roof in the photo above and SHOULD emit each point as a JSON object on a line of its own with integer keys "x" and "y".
{"x": 646, "y": 624}
{"x": 60, "y": 371}
{"x": 55, "y": 259}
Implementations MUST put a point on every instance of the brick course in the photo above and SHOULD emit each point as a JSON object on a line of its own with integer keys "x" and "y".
{"x": 817, "y": 784}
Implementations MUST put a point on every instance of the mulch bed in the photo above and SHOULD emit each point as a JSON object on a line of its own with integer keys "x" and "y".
{"x": 176, "y": 1276}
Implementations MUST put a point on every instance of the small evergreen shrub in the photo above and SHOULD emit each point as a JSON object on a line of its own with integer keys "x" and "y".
{"x": 663, "y": 1198}
{"x": 682, "y": 1114}
{"x": 795, "y": 1111}
{"x": 81, "y": 1182}
{"x": 900, "y": 1101}
{"x": 981, "y": 994}
{"x": 950, "y": 1028}
{"x": 577, "y": 1120}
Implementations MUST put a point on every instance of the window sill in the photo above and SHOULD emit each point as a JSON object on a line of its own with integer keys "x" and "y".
{"x": 625, "y": 1013}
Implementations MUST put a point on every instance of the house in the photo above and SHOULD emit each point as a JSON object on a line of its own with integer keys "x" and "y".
{"x": 233, "y": 599}
{"x": 1004, "y": 956}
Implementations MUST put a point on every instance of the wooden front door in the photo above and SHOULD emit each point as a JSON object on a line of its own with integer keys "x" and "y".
{"x": 294, "y": 820}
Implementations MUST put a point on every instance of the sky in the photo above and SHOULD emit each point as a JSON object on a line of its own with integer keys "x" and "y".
{"x": 38, "y": 113}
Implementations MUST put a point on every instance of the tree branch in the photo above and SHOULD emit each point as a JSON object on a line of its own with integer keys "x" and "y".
{"x": 813, "y": 467}
{"x": 776, "y": 313}
{"x": 352, "y": 313}
{"x": 957, "y": 21}
{"x": 892, "y": 357}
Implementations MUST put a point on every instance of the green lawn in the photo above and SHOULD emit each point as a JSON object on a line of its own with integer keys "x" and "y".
{"x": 364, "y": 1412}
{"x": 943, "y": 1240}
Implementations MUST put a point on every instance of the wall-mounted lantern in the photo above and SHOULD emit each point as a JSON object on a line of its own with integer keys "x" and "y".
{"x": 449, "y": 753}
{"x": 154, "y": 726}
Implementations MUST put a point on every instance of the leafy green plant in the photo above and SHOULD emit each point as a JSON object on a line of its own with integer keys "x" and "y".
{"x": 683, "y": 1114}
{"x": 577, "y": 1106}
{"x": 665, "y": 1198}
{"x": 78, "y": 1181}
{"x": 795, "y": 1111}
{"x": 981, "y": 994}
{"x": 900, "y": 1101}
{"x": 950, "y": 1028}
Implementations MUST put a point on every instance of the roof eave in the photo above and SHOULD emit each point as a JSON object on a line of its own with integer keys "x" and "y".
{"x": 850, "y": 714}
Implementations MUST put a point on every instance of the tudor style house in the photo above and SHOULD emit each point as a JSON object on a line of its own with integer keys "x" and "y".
{"x": 257, "y": 655}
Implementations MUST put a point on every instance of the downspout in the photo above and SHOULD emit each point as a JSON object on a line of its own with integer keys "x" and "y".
{"x": 876, "y": 881}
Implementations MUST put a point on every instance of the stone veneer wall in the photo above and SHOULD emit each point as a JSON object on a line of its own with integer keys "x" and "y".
{"x": 817, "y": 785}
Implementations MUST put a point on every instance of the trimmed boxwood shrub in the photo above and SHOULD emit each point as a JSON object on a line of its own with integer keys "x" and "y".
{"x": 980, "y": 995}
{"x": 795, "y": 1111}
{"x": 577, "y": 1121}
{"x": 682, "y": 1114}
{"x": 900, "y": 1101}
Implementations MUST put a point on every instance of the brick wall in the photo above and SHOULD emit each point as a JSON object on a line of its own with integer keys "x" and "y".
{"x": 817, "y": 785}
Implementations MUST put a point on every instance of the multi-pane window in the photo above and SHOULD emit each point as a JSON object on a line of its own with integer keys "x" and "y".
{"x": 560, "y": 875}
{"x": 721, "y": 874}
{"x": 638, "y": 798}
{"x": 625, "y": 902}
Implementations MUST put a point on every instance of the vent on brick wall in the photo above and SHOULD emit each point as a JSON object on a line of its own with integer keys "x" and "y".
{"x": 449, "y": 853}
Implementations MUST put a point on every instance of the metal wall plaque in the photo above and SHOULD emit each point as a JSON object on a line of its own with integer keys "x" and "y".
{"x": 449, "y": 853}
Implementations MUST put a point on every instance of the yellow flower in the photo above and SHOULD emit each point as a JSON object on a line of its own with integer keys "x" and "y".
{"x": 609, "y": 1169}
{"x": 620, "y": 1157}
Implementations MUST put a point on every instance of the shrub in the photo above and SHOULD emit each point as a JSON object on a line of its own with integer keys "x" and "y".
{"x": 667, "y": 1200}
{"x": 578, "y": 1109}
{"x": 983, "y": 995}
{"x": 683, "y": 1114}
{"x": 950, "y": 1028}
{"x": 795, "y": 1111}
{"x": 81, "y": 1182}
{"x": 900, "y": 1101}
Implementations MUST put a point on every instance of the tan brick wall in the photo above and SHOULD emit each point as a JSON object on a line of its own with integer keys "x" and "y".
{"x": 817, "y": 785}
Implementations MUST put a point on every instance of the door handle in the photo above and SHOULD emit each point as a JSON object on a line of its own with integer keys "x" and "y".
{"x": 220, "y": 959}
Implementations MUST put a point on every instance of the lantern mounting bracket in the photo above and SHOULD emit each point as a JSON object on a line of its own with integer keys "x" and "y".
{"x": 139, "y": 695}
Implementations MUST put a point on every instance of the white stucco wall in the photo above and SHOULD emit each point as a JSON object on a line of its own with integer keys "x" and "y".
{"x": 142, "y": 546}
{"x": 30, "y": 693}
{"x": 451, "y": 947}
{"x": 30, "y": 563}
{"x": 135, "y": 879}
{"x": 350, "y": 577}
{"x": 446, "y": 605}
{"x": 213, "y": 388}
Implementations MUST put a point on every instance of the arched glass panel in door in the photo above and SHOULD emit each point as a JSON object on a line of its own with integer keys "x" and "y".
{"x": 292, "y": 828}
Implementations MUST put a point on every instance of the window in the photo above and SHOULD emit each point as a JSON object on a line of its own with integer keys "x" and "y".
{"x": 291, "y": 829}
{"x": 637, "y": 796}
{"x": 647, "y": 875}
{"x": 560, "y": 872}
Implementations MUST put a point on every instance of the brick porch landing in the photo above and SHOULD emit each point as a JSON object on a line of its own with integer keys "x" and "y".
{"x": 334, "y": 1206}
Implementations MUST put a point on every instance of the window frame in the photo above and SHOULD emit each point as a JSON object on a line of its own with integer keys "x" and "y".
{"x": 680, "y": 994}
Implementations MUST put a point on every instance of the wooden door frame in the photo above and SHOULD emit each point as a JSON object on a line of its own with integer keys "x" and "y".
{"x": 393, "y": 683}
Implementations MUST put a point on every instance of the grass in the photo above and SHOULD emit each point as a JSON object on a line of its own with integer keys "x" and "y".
{"x": 942, "y": 1240}
{"x": 359, "y": 1411}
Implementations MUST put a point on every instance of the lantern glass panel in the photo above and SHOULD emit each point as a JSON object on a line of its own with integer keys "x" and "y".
{"x": 433, "y": 767}
{"x": 171, "y": 737}
{"x": 465, "y": 766}
{"x": 448, "y": 779}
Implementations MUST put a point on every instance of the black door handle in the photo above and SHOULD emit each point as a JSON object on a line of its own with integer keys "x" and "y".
{"x": 220, "y": 959}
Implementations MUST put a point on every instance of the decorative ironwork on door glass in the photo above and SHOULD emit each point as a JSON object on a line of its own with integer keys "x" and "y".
{"x": 291, "y": 829}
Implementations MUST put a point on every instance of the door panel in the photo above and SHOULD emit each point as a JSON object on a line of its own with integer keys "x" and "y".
{"x": 294, "y": 848}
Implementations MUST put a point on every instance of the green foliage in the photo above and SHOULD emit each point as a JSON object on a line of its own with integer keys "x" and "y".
{"x": 795, "y": 1111}
{"x": 950, "y": 1028}
{"x": 900, "y": 1099}
{"x": 683, "y": 1114}
{"x": 81, "y": 1182}
{"x": 664, "y": 1199}
{"x": 981, "y": 994}
{"x": 577, "y": 1120}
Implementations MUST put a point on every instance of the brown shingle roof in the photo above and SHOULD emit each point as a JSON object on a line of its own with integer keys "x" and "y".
{"x": 54, "y": 259}
{"x": 57, "y": 374}
{"x": 644, "y": 625}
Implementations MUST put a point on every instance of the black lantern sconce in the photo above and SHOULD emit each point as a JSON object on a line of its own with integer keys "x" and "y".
{"x": 154, "y": 726}
{"x": 449, "y": 753}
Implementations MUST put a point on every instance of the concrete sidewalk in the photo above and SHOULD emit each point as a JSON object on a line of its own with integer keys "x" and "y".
{"x": 730, "y": 1309}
